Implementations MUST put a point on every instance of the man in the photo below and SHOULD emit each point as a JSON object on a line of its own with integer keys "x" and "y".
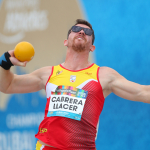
{"x": 75, "y": 90}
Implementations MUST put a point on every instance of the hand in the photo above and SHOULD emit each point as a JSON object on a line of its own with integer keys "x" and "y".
{"x": 15, "y": 61}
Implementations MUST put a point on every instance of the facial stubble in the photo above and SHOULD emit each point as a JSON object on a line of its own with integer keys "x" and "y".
{"x": 79, "y": 47}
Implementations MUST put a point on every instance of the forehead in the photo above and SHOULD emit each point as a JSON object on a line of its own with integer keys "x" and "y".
{"x": 83, "y": 25}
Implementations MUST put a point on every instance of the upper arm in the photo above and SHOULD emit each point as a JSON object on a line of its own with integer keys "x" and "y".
{"x": 116, "y": 83}
{"x": 125, "y": 88}
{"x": 28, "y": 83}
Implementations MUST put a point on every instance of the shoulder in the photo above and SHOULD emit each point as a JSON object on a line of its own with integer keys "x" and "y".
{"x": 107, "y": 75}
{"x": 43, "y": 74}
{"x": 107, "y": 71}
{"x": 42, "y": 71}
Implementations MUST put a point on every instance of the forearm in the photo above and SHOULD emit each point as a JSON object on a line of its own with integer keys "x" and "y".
{"x": 140, "y": 93}
{"x": 6, "y": 77}
{"x": 144, "y": 96}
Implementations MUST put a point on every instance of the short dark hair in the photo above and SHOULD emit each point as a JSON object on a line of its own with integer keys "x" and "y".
{"x": 81, "y": 21}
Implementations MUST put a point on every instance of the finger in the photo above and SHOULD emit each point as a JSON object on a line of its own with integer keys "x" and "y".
{"x": 16, "y": 62}
{"x": 25, "y": 63}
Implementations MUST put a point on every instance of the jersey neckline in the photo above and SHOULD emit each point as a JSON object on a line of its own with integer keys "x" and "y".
{"x": 76, "y": 70}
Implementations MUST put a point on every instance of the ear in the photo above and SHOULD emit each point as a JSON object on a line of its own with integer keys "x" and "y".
{"x": 92, "y": 48}
{"x": 65, "y": 42}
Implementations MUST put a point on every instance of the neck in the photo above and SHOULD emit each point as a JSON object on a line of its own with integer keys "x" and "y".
{"x": 76, "y": 60}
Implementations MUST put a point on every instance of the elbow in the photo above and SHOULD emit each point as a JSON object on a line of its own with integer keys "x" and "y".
{"x": 5, "y": 91}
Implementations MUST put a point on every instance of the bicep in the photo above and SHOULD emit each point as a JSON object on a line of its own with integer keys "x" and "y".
{"x": 24, "y": 84}
{"x": 126, "y": 89}
{"x": 28, "y": 83}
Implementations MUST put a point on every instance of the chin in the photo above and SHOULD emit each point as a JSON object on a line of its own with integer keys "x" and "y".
{"x": 79, "y": 48}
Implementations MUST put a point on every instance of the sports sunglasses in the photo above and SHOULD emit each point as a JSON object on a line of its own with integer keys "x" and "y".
{"x": 87, "y": 31}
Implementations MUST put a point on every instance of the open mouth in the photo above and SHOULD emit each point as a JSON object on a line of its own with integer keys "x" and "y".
{"x": 80, "y": 38}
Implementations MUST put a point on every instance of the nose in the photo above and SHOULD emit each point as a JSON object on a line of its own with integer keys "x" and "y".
{"x": 81, "y": 32}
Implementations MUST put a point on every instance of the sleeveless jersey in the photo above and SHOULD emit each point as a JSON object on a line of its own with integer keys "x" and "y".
{"x": 74, "y": 103}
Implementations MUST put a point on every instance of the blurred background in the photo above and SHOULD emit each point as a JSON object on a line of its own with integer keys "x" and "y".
{"x": 122, "y": 30}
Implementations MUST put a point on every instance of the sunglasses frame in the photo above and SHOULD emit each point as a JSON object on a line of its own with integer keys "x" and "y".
{"x": 87, "y": 31}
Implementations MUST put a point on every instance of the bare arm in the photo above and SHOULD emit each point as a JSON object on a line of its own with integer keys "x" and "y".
{"x": 112, "y": 81}
{"x": 12, "y": 83}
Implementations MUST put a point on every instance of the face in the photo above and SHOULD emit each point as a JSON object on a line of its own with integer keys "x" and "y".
{"x": 79, "y": 41}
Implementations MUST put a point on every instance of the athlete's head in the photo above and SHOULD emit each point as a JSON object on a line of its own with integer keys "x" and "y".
{"x": 80, "y": 37}
{"x": 87, "y": 31}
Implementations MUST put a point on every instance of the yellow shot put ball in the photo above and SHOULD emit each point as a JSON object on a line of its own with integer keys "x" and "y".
{"x": 24, "y": 51}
